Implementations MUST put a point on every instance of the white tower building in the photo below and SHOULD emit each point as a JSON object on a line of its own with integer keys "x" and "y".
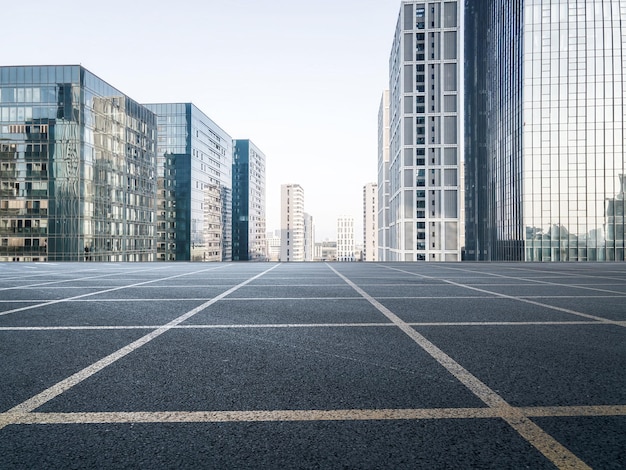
{"x": 292, "y": 223}
{"x": 370, "y": 222}
{"x": 345, "y": 239}
{"x": 425, "y": 212}
{"x": 383, "y": 178}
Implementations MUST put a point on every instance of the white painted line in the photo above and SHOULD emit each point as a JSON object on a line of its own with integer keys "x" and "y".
{"x": 112, "y": 289}
{"x": 289, "y": 325}
{"x": 537, "y": 437}
{"x": 199, "y": 327}
{"x": 64, "y": 385}
{"x": 299, "y": 415}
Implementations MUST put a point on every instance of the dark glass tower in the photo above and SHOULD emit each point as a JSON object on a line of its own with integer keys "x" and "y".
{"x": 195, "y": 185}
{"x": 547, "y": 186}
{"x": 249, "y": 226}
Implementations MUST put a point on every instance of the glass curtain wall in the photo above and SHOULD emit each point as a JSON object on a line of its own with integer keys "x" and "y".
{"x": 195, "y": 196}
{"x": 553, "y": 92}
{"x": 78, "y": 168}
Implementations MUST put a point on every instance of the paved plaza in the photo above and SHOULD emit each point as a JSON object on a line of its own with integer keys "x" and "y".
{"x": 338, "y": 365}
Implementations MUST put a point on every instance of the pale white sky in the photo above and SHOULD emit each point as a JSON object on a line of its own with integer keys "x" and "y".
{"x": 301, "y": 79}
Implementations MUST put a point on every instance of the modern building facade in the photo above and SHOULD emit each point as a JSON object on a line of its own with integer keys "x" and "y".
{"x": 346, "y": 246}
{"x": 77, "y": 168}
{"x": 309, "y": 237}
{"x": 546, "y": 87}
{"x": 325, "y": 251}
{"x": 370, "y": 222}
{"x": 292, "y": 229}
{"x": 426, "y": 123}
{"x": 249, "y": 218}
{"x": 194, "y": 215}
{"x": 383, "y": 177}
{"x": 272, "y": 241}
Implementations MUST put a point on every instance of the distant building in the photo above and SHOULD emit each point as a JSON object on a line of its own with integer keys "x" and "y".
{"x": 383, "y": 178}
{"x": 249, "y": 218}
{"x": 292, "y": 239}
{"x": 78, "y": 169}
{"x": 345, "y": 239}
{"x": 325, "y": 251}
{"x": 309, "y": 237}
{"x": 426, "y": 123}
{"x": 272, "y": 240}
{"x": 194, "y": 204}
{"x": 370, "y": 222}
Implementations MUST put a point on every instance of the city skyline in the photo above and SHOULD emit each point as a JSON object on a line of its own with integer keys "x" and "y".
{"x": 303, "y": 83}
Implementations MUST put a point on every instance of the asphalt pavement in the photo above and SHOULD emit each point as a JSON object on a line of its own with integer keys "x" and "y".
{"x": 313, "y": 365}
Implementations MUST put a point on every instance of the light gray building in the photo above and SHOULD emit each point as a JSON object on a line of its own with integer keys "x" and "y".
{"x": 426, "y": 122}
{"x": 370, "y": 222}
{"x": 383, "y": 178}
{"x": 292, "y": 223}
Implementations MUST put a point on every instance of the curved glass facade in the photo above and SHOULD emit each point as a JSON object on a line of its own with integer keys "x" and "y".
{"x": 77, "y": 168}
{"x": 554, "y": 131}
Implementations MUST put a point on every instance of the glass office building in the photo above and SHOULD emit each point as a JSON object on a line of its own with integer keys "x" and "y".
{"x": 194, "y": 213}
{"x": 77, "y": 168}
{"x": 552, "y": 144}
{"x": 425, "y": 181}
{"x": 249, "y": 220}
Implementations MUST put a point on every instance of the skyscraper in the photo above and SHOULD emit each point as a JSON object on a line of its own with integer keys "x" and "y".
{"x": 194, "y": 215}
{"x": 292, "y": 221}
{"x": 425, "y": 216}
{"x": 77, "y": 168}
{"x": 383, "y": 178}
{"x": 370, "y": 222}
{"x": 309, "y": 237}
{"x": 546, "y": 85}
{"x": 249, "y": 219}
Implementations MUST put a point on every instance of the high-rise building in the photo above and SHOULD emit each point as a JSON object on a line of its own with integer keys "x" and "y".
{"x": 370, "y": 222}
{"x": 345, "y": 239}
{"x": 194, "y": 204}
{"x": 249, "y": 219}
{"x": 383, "y": 178}
{"x": 77, "y": 168}
{"x": 309, "y": 237}
{"x": 292, "y": 229}
{"x": 425, "y": 216}
{"x": 545, "y": 86}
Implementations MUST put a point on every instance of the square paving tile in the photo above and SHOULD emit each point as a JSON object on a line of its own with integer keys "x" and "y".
{"x": 541, "y": 365}
{"x": 485, "y": 443}
{"x": 600, "y": 441}
{"x": 490, "y": 309}
{"x": 422, "y": 290}
{"x": 100, "y": 313}
{"x": 269, "y": 369}
{"x": 33, "y": 361}
{"x": 611, "y": 308}
{"x": 288, "y": 311}
{"x": 298, "y": 291}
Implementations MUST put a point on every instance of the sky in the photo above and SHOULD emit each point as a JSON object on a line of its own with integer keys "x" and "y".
{"x": 301, "y": 79}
